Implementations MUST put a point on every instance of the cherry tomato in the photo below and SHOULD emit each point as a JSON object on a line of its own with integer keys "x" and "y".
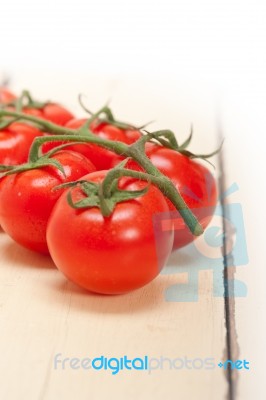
{"x": 193, "y": 180}
{"x": 27, "y": 199}
{"x": 6, "y": 96}
{"x": 52, "y": 112}
{"x": 100, "y": 157}
{"x": 15, "y": 142}
{"x": 115, "y": 254}
{"x": 196, "y": 185}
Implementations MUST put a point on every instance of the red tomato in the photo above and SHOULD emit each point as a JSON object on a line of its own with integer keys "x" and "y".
{"x": 15, "y": 142}
{"x": 6, "y": 96}
{"x": 27, "y": 199}
{"x": 110, "y": 255}
{"x": 52, "y": 112}
{"x": 196, "y": 185}
{"x": 101, "y": 158}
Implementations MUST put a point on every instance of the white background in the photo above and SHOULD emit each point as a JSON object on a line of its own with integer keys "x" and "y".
{"x": 218, "y": 46}
{"x": 222, "y": 42}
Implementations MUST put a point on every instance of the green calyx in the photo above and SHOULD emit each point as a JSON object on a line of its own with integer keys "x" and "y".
{"x": 25, "y": 100}
{"x": 172, "y": 143}
{"x": 183, "y": 150}
{"x": 163, "y": 183}
{"x": 107, "y": 116}
{"x": 107, "y": 195}
{"x": 95, "y": 197}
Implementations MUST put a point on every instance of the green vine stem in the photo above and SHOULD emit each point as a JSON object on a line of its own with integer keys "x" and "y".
{"x": 42, "y": 123}
{"x": 135, "y": 151}
{"x": 165, "y": 186}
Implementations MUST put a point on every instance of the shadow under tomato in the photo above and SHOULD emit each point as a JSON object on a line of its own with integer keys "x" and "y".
{"x": 17, "y": 255}
{"x": 151, "y": 296}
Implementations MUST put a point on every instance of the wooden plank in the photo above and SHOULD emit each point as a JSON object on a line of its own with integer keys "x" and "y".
{"x": 244, "y": 165}
{"x": 176, "y": 316}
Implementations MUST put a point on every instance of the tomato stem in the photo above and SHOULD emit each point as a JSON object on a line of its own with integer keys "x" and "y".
{"x": 135, "y": 151}
{"x": 164, "y": 185}
{"x": 46, "y": 125}
{"x": 105, "y": 209}
{"x": 117, "y": 147}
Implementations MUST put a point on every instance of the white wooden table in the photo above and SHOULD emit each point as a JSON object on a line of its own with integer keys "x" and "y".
{"x": 176, "y": 316}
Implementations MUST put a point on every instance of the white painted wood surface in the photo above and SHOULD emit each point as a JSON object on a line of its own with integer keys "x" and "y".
{"x": 42, "y": 314}
{"x": 244, "y": 155}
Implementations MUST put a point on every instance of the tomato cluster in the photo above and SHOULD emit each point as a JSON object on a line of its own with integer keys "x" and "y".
{"x": 94, "y": 212}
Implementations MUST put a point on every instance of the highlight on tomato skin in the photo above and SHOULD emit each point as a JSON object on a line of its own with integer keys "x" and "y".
{"x": 15, "y": 143}
{"x": 115, "y": 254}
{"x": 27, "y": 198}
{"x": 100, "y": 157}
{"x": 16, "y": 139}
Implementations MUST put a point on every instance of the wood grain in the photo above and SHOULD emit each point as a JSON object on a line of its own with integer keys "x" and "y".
{"x": 244, "y": 166}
